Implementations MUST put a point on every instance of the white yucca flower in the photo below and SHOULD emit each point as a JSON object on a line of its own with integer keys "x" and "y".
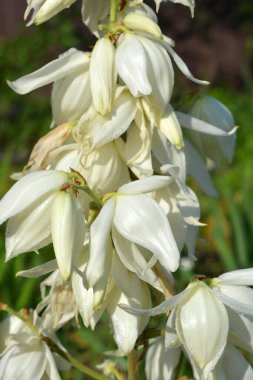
{"x": 124, "y": 214}
{"x": 71, "y": 95}
{"x": 201, "y": 319}
{"x": 39, "y": 212}
{"x": 23, "y": 353}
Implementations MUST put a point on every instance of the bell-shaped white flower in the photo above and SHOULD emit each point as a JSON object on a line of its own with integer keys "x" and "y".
{"x": 43, "y": 10}
{"x": 214, "y": 112}
{"x": 202, "y": 327}
{"x": 29, "y": 190}
{"x": 103, "y": 75}
{"x": 24, "y": 353}
{"x": 125, "y": 213}
{"x": 142, "y": 64}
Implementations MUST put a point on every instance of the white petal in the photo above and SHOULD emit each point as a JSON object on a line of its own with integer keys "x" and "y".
{"x": 71, "y": 96}
{"x": 241, "y": 330}
{"x": 28, "y": 190}
{"x": 139, "y": 219}
{"x": 136, "y": 259}
{"x": 131, "y": 64}
{"x": 190, "y": 122}
{"x": 104, "y": 130}
{"x": 50, "y": 8}
{"x": 128, "y": 327}
{"x": 99, "y": 240}
{"x": 197, "y": 168}
{"x": 145, "y": 185}
{"x": 18, "y": 364}
{"x": 105, "y": 170}
{"x": 67, "y": 63}
{"x": 235, "y": 366}
{"x": 103, "y": 75}
{"x": 51, "y": 368}
{"x": 39, "y": 270}
{"x": 68, "y": 231}
{"x": 182, "y": 66}
{"x": 161, "y": 364}
{"x": 94, "y": 11}
{"x": 141, "y": 23}
{"x": 237, "y": 277}
{"x": 29, "y": 230}
{"x": 202, "y": 326}
{"x": 238, "y": 298}
{"x": 170, "y": 127}
{"x": 164, "y": 307}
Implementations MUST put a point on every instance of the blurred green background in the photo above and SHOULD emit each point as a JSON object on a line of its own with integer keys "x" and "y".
{"x": 217, "y": 45}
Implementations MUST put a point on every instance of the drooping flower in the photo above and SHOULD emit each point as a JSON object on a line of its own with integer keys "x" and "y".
{"x": 201, "y": 319}
{"x": 24, "y": 355}
{"x": 40, "y": 211}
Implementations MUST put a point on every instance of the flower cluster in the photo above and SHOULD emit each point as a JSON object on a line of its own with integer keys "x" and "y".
{"x": 108, "y": 187}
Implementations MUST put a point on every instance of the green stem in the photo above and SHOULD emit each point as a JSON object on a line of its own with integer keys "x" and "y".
{"x": 24, "y": 317}
{"x": 114, "y": 11}
{"x": 93, "y": 196}
{"x": 131, "y": 364}
{"x": 83, "y": 368}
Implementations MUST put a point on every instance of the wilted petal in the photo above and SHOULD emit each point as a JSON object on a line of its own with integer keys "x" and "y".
{"x": 202, "y": 327}
{"x": 67, "y": 63}
{"x": 68, "y": 231}
{"x": 51, "y": 368}
{"x": 155, "y": 234}
{"x": 131, "y": 64}
{"x": 39, "y": 270}
{"x": 103, "y": 75}
{"x": 29, "y": 189}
